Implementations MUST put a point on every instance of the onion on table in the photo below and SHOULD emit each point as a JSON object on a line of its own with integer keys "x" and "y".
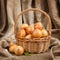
{"x": 14, "y": 48}
{"x": 19, "y": 50}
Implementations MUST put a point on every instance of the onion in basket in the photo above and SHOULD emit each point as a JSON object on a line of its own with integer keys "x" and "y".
{"x": 37, "y": 33}
{"x": 24, "y": 26}
{"x": 44, "y": 33}
{"x": 28, "y": 36}
{"x": 38, "y": 25}
{"x": 29, "y": 29}
{"x": 21, "y": 33}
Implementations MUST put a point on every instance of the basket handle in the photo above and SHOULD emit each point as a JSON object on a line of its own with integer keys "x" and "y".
{"x": 33, "y": 9}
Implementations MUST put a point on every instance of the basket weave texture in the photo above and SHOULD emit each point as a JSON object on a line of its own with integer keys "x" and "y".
{"x": 34, "y": 45}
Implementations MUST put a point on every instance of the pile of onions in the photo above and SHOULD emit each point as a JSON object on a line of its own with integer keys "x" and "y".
{"x": 30, "y": 31}
{"x": 14, "y": 48}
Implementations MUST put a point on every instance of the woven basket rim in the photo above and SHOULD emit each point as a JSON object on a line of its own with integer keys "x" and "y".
{"x": 45, "y": 39}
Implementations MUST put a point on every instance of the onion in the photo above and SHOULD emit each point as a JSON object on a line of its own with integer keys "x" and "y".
{"x": 19, "y": 50}
{"x": 44, "y": 33}
{"x": 37, "y": 33}
{"x": 21, "y": 33}
{"x": 29, "y": 29}
{"x": 38, "y": 25}
{"x": 24, "y": 26}
{"x": 28, "y": 36}
{"x": 12, "y": 48}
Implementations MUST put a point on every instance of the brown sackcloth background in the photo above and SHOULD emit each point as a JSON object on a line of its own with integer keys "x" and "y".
{"x": 9, "y": 9}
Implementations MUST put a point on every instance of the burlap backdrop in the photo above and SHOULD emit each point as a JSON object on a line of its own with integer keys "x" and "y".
{"x": 9, "y": 9}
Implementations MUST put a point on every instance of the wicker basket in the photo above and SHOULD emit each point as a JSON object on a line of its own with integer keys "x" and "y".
{"x": 34, "y": 45}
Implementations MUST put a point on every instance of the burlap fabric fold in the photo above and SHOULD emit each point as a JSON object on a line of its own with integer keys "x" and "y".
{"x": 9, "y": 11}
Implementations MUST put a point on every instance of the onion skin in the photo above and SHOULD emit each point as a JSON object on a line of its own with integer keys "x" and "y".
{"x": 12, "y": 48}
{"x": 24, "y": 26}
{"x": 37, "y": 33}
{"x": 38, "y": 25}
{"x": 29, "y": 29}
{"x": 21, "y": 33}
{"x": 19, "y": 50}
{"x": 44, "y": 33}
{"x": 28, "y": 36}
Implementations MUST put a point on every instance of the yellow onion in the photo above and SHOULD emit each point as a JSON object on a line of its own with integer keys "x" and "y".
{"x": 28, "y": 36}
{"x": 29, "y": 29}
{"x": 37, "y": 33}
{"x": 44, "y": 33}
{"x": 21, "y": 33}
{"x": 38, "y": 25}
{"x": 24, "y": 26}
{"x": 12, "y": 48}
{"x": 19, "y": 50}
